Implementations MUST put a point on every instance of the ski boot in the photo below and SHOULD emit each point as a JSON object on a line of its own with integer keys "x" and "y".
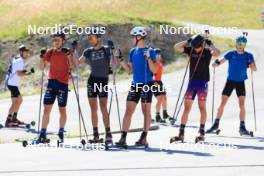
{"x": 244, "y": 132}
{"x": 177, "y": 138}
{"x": 10, "y": 123}
{"x": 200, "y": 138}
{"x": 142, "y": 142}
{"x": 61, "y": 139}
{"x": 108, "y": 141}
{"x": 96, "y": 139}
{"x": 166, "y": 116}
{"x": 159, "y": 119}
{"x": 42, "y": 139}
{"x": 214, "y": 129}
{"x": 121, "y": 143}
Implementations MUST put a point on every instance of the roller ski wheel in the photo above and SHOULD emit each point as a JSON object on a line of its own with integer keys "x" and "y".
{"x": 83, "y": 142}
{"x": 177, "y": 139}
{"x": 24, "y": 143}
{"x": 122, "y": 145}
{"x": 199, "y": 139}
{"x": 244, "y": 132}
{"x": 172, "y": 121}
{"x": 108, "y": 143}
{"x": 33, "y": 123}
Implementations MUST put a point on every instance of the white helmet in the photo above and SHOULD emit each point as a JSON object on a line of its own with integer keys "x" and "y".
{"x": 139, "y": 30}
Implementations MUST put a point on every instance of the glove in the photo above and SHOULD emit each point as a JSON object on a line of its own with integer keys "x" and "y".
{"x": 110, "y": 43}
{"x": 66, "y": 51}
{"x": 189, "y": 40}
{"x": 217, "y": 62}
{"x": 42, "y": 52}
{"x": 118, "y": 54}
{"x": 32, "y": 70}
{"x": 208, "y": 42}
{"x": 147, "y": 53}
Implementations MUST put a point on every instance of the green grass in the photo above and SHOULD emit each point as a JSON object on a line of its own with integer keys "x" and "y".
{"x": 16, "y": 15}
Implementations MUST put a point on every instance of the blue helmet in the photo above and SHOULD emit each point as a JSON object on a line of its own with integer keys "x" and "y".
{"x": 241, "y": 39}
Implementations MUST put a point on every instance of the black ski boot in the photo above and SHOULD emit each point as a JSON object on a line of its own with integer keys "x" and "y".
{"x": 159, "y": 119}
{"x": 244, "y": 132}
{"x": 166, "y": 115}
{"x": 42, "y": 139}
{"x": 61, "y": 138}
{"x": 142, "y": 140}
{"x": 214, "y": 129}
{"x": 177, "y": 138}
{"x": 121, "y": 143}
{"x": 96, "y": 139}
{"x": 200, "y": 138}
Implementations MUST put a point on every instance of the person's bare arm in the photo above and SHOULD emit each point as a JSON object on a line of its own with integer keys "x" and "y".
{"x": 253, "y": 67}
{"x": 152, "y": 66}
{"x": 215, "y": 51}
{"x": 127, "y": 66}
{"x": 179, "y": 47}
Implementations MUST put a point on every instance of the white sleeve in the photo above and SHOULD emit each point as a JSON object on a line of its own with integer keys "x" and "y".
{"x": 19, "y": 66}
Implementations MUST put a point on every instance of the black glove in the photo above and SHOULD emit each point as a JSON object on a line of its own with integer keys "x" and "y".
{"x": 217, "y": 62}
{"x": 110, "y": 43}
{"x": 32, "y": 70}
{"x": 42, "y": 52}
{"x": 66, "y": 51}
{"x": 208, "y": 42}
{"x": 74, "y": 43}
{"x": 189, "y": 40}
{"x": 110, "y": 71}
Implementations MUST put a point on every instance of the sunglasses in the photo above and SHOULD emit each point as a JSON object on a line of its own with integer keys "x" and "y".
{"x": 241, "y": 43}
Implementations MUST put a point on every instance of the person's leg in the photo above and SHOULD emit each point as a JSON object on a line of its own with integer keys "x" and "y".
{"x": 49, "y": 99}
{"x": 202, "y": 108}
{"x": 94, "y": 117}
{"x": 146, "y": 110}
{"x": 158, "y": 106}
{"x": 242, "y": 113}
{"x": 227, "y": 91}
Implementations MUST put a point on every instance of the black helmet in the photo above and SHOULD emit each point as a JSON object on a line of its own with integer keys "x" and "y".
{"x": 95, "y": 31}
{"x": 59, "y": 34}
{"x": 197, "y": 41}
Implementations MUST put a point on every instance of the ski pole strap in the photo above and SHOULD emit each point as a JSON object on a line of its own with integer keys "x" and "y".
{"x": 197, "y": 63}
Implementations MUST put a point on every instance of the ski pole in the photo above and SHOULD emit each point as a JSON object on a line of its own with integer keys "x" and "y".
{"x": 213, "y": 101}
{"x": 74, "y": 46}
{"x": 178, "y": 99}
{"x": 111, "y": 99}
{"x": 79, "y": 108}
{"x": 40, "y": 100}
{"x": 253, "y": 98}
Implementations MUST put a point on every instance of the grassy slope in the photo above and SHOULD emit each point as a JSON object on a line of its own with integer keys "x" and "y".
{"x": 15, "y": 15}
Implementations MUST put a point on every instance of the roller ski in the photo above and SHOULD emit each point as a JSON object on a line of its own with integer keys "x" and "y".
{"x": 17, "y": 123}
{"x": 176, "y": 139}
{"x": 41, "y": 140}
{"x": 244, "y": 132}
{"x": 214, "y": 129}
